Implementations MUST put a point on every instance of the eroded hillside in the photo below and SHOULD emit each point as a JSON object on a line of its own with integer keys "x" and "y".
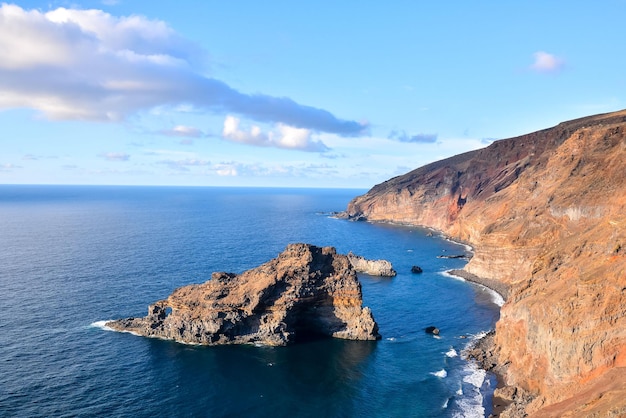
{"x": 546, "y": 213}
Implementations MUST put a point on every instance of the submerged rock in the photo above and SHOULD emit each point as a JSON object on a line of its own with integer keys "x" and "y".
{"x": 305, "y": 291}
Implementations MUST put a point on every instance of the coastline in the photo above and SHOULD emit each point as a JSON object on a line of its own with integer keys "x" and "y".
{"x": 498, "y": 287}
{"x": 483, "y": 350}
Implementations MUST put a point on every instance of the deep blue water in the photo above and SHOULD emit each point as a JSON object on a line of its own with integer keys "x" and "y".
{"x": 71, "y": 256}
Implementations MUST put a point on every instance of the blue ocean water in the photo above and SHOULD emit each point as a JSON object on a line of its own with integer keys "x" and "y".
{"x": 73, "y": 256}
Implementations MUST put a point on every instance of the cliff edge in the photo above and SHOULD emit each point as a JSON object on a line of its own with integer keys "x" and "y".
{"x": 546, "y": 214}
{"x": 305, "y": 291}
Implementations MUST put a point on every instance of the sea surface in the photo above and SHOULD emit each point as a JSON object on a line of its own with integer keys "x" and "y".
{"x": 72, "y": 257}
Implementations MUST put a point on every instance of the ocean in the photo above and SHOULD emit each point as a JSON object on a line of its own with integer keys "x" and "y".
{"x": 72, "y": 257}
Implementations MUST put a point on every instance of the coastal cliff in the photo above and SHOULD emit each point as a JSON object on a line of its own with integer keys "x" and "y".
{"x": 546, "y": 215}
{"x": 305, "y": 291}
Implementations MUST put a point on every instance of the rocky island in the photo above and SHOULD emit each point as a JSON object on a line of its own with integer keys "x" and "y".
{"x": 546, "y": 215}
{"x": 305, "y": 291}
{"x": 381, "y": 268}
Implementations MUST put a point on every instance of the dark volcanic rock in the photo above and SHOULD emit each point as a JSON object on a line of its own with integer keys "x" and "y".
{"x": 305, "y": 291}
{"x": 416, "y": 270}
{"x": 432, "y": 330}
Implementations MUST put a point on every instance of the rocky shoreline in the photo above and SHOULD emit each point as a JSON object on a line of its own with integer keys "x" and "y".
{"x": 500, "y": 288}
{"x": 483, "y": 350}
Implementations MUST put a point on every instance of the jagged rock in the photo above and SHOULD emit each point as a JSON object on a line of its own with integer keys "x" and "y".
{"x": 416, "y": 270}
{"x": 306, "y": 290}
{"x": 432, "y": 330}
{"x": 371, "y": 267}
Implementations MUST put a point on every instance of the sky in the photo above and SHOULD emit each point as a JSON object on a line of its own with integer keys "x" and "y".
{"x": 289, "y": 94}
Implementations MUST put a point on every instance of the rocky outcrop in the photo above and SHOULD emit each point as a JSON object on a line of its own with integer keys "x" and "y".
{"x": 303, "y": 292}
{"x": 416, "y": 270}
{"x": 546, "y": 215}
{"x": 372, "y": 267}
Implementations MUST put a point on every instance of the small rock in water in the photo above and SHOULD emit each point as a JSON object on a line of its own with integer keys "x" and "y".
{"x": 416, "y": 269}
{"x": 432, "y": 330}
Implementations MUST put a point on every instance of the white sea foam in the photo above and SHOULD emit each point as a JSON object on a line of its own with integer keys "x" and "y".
{"x": 452, "y": 276}
{"x": 496, "y": 297}
{"x": 469, "y": 410}
{"x": 471, "y": 403}
{"x": 441, "y": 373}
{"x": 473, "y": 384}
{"x": 467, "y": 247}
{"x": 451, "y": 353}
{"x": 102, "y": 325}
{"x": 474, "y": 376}
{"x": 478, "y": 336}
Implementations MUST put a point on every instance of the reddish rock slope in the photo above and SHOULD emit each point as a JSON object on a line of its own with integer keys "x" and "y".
{"x": 546, "y": 213}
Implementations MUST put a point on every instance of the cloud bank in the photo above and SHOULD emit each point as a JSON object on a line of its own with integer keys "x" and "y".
{"x": 74, "y": 64}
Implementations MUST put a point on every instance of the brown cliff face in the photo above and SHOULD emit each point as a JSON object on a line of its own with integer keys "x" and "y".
{"x": 305, "y": 291}
{"x": 546, "y": 213}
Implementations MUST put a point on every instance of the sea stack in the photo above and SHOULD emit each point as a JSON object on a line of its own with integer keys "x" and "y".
{"x": 305, "y": 291}
{"x": 381, "y": 268}
{"x": 546, "y": 215}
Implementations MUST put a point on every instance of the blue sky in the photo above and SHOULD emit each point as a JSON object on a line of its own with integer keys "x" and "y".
{"x": 282, "y": 93}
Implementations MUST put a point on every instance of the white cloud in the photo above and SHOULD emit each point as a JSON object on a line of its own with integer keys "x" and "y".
{"x": 286, "y": 137}
{"x": 182, "y": 165}
{"x": 402, "y": 136}
{"x": 115, "y": 156}
{"x": 183, "y": 131}
{"x": 74, "y": 64}
{"x": 254, "y": 136}
{"x": 546, "y": 63}
{"x": 8, "y": 167}
{"x": 226, "y": 170}
{"x": 295, "y": 138}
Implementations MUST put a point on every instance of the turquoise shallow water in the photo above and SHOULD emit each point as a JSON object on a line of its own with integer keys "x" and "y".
{"x": 71, "y": 256}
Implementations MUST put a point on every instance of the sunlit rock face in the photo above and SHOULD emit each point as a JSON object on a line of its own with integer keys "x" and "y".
{"x": 306, "y": 291}
{"x": 546, "y": 214}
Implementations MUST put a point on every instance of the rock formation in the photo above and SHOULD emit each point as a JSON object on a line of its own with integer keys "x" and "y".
{"x": 372, "y": 267}
{"x": 546, "y": 215}
{"x": 432, "y": 330}
{"x": 305, "y": 291}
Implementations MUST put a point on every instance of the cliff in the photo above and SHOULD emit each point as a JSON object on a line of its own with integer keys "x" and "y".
{"x": 303, "y": 292}
{"x": 546, "y": 214}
